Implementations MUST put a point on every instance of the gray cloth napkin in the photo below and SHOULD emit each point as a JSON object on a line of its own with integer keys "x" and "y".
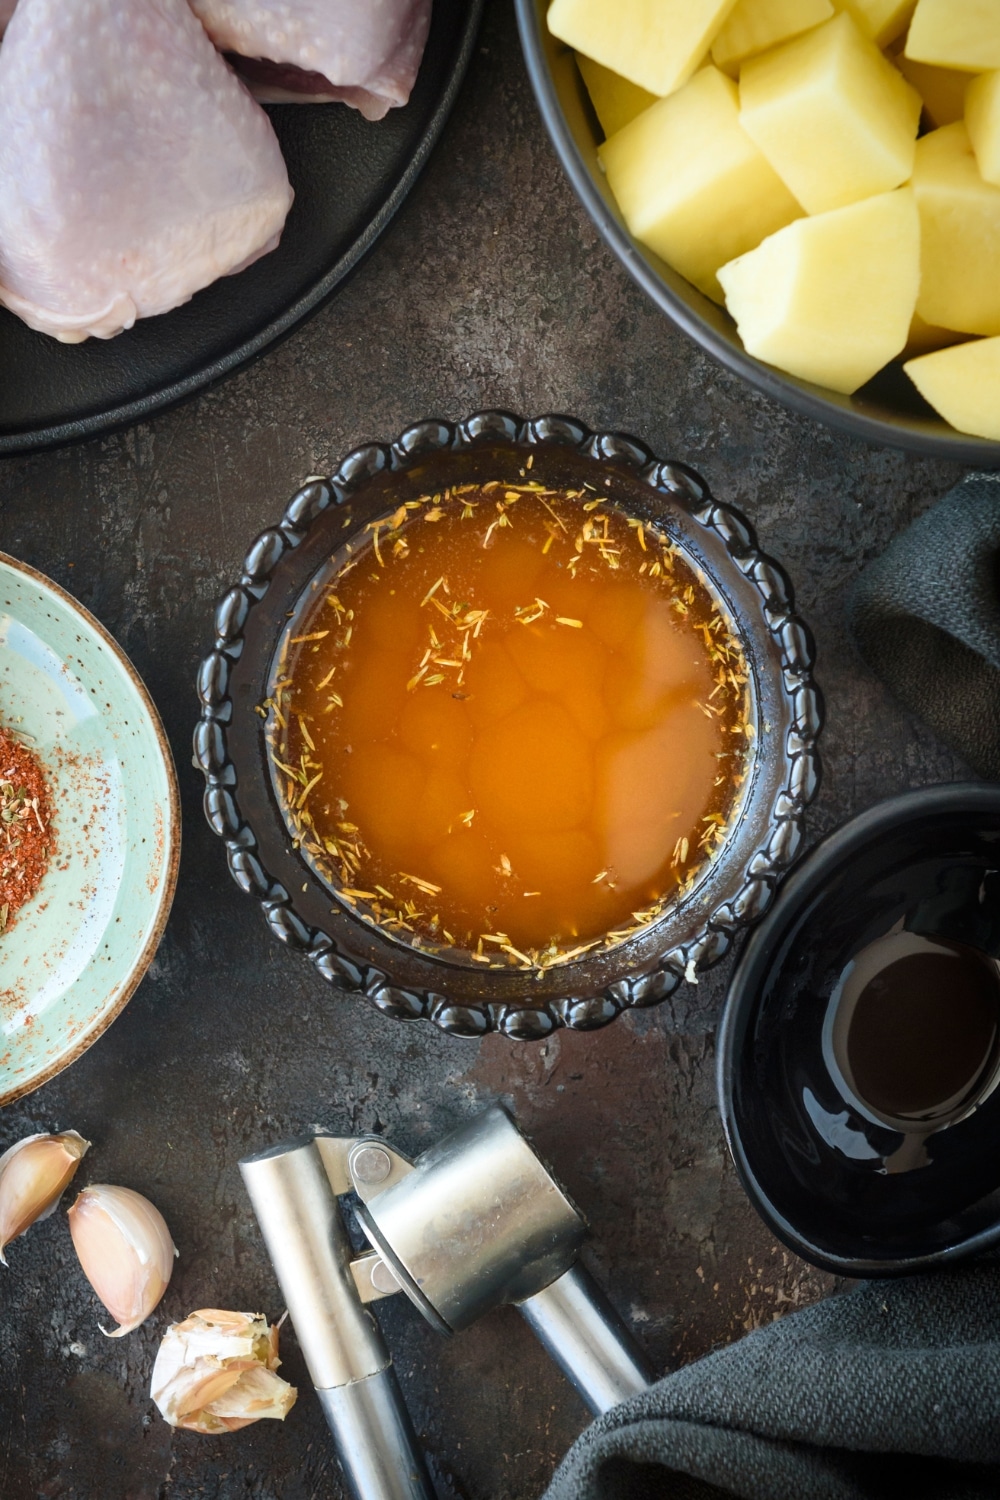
{"x": 887, "y": 1392}
{"x": 926, "y": 617}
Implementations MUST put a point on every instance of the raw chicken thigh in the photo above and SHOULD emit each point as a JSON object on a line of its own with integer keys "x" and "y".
{"x": 134, "y": 167}
{"x": 361, "y": 52}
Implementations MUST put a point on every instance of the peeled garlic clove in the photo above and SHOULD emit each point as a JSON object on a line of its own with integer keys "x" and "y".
{"x": 34, "y": 1173}
{"x": 215, "y": 1372}
{"x": 125, "y": 1249}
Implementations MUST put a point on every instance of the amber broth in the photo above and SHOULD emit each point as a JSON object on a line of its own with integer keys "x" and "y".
{"x": 513, "y": 721}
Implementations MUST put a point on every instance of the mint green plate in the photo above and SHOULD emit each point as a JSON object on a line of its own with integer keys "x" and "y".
{"x": 75, "y": 952}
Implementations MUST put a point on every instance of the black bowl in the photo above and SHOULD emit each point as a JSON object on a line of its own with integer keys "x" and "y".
{"x": 829, "y": 1177}
{"x": 889, "y": 409}
{"x": 693, "y": 932}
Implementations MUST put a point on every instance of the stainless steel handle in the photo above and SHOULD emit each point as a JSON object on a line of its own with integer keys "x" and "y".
{"x": 376, "y": 1444}
{"x": 343, "y": 1347}
{"x": 304, "y": 1232}
{"x": 578, "y": 1326}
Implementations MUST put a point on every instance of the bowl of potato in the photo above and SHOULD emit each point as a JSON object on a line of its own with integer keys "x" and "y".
{"x": 810, "y": 188}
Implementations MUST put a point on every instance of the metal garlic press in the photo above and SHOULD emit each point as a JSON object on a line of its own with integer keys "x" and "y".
{"x": 475, "y": 1222}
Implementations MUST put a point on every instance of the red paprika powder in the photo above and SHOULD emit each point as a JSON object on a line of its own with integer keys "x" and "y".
{"x": 26, "y": 837}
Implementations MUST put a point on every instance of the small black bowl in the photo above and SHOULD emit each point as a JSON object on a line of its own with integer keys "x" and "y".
{"x": 837, "y": 1184}
{"x": 889, "y": 409}
{"x": 694, "y": 931}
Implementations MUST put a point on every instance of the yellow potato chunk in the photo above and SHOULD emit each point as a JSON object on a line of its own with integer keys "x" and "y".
{"x": 756, "y": 25}
{"x": 881, "y": 20}
{"x": 982, "y": 119}
{"x": 956, "y": 34}
{"x": 959, "y": 234}
{"x": 657, "y": 44}
{"x": 832, "y": 115}
{"x": 690, "y": 182}
{"x": 963, "y": 385}
{"x": 616, "y": 100}
{"x": 941, "y": 89}
{"x": 830, "y": 298}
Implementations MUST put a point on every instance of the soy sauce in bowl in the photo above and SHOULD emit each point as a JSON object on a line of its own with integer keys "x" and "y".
{"x": 859, "y": 1053}
{"x": 914, "y": 1028}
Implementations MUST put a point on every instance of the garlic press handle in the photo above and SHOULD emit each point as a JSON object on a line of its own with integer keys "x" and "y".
{"x": 376, "y": 1444}
{"x": 351, "y": 1368}
{"x": 576, "y": 1324}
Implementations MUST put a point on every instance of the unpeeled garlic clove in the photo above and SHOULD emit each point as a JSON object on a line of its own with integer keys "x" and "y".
{"x": 125, "y": 1249}
{"x": 34, "y": 1173}
{"x": 215, "y": 1372}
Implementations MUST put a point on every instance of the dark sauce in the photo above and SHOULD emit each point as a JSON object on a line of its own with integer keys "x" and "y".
{"x": 871, "y": 1086}
{"x": 923, "y": 1033}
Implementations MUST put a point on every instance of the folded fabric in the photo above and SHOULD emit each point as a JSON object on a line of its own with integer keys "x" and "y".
{"x": 887, "y": 1392}
{"x": 926, "y": 617}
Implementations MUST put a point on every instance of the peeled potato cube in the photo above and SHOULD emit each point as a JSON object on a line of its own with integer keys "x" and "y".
{"x": 616, "y": 100}
{"x": 959, "y": 234}
{"x": 657, "y": 44}
{"x": 963, "y": 385}
{"x": 830, "y": 298}
{"x": 881, "y": 20}
{"x": 832, "y": 115}
{"x": 756, "y": 25}
{"x": 982, "y": 119}
{"x": 956, "y": 34}
{"x": 941, "y": 89}
{"x": 690, "y": 182}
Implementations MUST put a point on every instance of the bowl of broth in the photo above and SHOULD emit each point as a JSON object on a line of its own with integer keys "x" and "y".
{"x": 509, "y": 725}
{"x": 859, "y": 1052}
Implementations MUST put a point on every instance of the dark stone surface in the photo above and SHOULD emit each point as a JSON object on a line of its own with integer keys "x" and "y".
{"x": 491, "y": 289}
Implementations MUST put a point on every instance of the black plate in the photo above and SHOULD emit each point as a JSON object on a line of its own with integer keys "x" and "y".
{"x": 349, "y": 175}
{"x": 888, "y": 409}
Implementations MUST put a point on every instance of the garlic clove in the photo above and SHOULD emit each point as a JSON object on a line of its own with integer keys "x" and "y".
{"x": 34, "y": 1173}
{"x": 215, "y": 1372}
{"x": 125, "y": 1249}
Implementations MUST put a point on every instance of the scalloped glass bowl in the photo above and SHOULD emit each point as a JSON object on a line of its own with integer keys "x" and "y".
{"x": 695, "y": 931}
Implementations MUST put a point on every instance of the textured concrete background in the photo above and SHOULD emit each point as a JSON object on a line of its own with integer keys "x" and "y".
{"x": 491, "y": 289}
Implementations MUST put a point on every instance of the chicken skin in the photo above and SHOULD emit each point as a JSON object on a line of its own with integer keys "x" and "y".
{"x": 362, "y": 52}
{"x": 135, "y": 168}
